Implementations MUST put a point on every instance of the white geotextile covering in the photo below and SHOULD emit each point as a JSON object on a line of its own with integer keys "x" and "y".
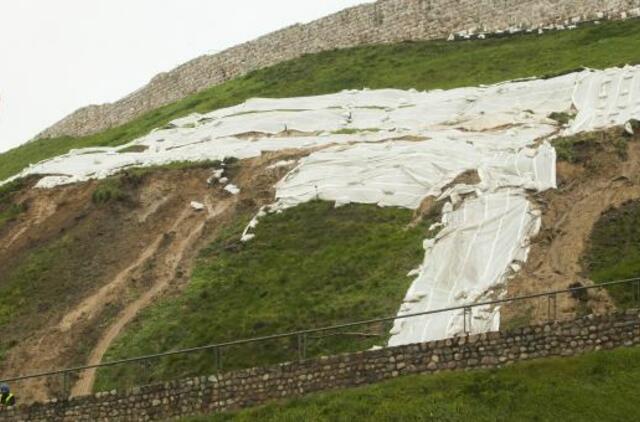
{"x": 402, "y": 173}
{"x": 394, "y": 148}
{"x": 259, "y": 125}
{"x": 469, "y": 259}
{"x": 606, "y": 99}
{"x": 481, "y": 239}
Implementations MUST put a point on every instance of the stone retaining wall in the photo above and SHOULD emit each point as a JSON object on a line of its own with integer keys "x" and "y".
{"x": 385, "y": 21}
{"x": 250, "y": 387}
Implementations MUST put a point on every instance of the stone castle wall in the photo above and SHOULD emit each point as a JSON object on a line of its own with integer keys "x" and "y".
{"x": 385, "y": 21}
{"x": 251, "y": 387}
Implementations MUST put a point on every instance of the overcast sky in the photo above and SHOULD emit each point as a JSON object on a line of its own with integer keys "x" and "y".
{"x": 59, "y": 55}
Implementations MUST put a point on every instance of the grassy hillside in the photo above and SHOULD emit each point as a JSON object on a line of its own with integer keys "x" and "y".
{"x": 600, "y": 386}
{"x": 310, "y": 266}
{"x": 614, "y": 251}
{"x": 420, "y": 65}
{"x": 9, "y": 210}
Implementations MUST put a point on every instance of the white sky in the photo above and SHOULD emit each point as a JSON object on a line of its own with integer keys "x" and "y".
{"x": 59, "y": 55}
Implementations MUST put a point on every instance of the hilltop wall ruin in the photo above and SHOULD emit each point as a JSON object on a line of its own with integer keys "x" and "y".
{"x": 385, "y": 21}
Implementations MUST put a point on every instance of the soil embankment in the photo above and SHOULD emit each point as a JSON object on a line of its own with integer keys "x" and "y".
{"x": 119, "y": 257}
{"x": 599, "y": 176}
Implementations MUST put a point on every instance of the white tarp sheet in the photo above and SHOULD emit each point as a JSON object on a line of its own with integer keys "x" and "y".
{"x": 244, "y": 131}
{"x": 605, "y": 99}
{"x": 251, "y": 128}
{"x": 469, "y": 260}
{"x": 472, "y": 256}
{"x": 394, "y": 148}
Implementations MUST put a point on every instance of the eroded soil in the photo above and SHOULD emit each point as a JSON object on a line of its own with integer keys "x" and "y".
{"x": 599, "y": 179}
{"x": 124, "y": 255}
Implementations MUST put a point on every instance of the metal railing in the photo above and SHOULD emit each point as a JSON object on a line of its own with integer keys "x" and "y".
{"x": 302, "y": 336}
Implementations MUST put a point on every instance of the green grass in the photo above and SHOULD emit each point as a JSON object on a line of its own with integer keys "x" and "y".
{"x": 108, "y": 190}
{"x": 350, "y": 131}
{"x": 310, "y": 266}
{"x": 114, "y": 188}
{"x": 600, "y": 386}
{"x": 420, "y": 65}
{"x": 133, "y": 148}
{"x": 584, "y": 148}
{"x": 562, "y": 117}
{"x": 9, "y": 210}
{"x": 614, "y": 250}
{"x": 24, "y": 282}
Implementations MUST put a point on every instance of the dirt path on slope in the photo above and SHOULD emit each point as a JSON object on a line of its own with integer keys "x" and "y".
{"x": 158, "y": 236}
{"x": 257, "y": 180}
{"x": 186, "y": 235}
{"x": 174, "y": 228}
{"x": 585, "y": 192}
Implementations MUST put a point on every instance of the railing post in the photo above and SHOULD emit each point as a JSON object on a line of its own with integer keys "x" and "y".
{"x": 218, "y": 353}
{"x": 65, "y": 385}
{"x": 147, "y": 370}
{"x": 301, "y": 346}
{"x": 467, "y": 313}
{"x": 552, "y": 304}
{"x": 304, "y": 345}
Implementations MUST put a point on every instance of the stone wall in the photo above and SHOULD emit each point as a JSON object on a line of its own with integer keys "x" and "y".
{"x": 245, "y": 388}
{"x": 385, "y": 21}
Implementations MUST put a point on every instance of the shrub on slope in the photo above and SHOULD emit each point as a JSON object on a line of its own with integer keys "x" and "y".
{"x": 420, "y": 65}
{"x": 310, "y": 266}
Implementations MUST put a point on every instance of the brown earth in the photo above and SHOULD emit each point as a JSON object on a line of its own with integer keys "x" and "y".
{"x": 123, "y": 256}
{"x": 600, "y": 178}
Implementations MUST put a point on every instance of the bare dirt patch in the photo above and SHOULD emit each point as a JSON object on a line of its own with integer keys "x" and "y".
{"x": 143, "y": 246}
{"x": 598, "y": 178}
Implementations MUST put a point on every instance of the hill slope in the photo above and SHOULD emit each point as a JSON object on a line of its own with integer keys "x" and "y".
{"x": 43, "y": 231}
{"x": 419, "y": 65}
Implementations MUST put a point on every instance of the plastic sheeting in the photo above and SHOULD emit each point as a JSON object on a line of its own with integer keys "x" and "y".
{"x": 259, "y": 125}
{"x": 606, "y": 99}
{"x": 487, "y": 226}
{"x": 469, "y": 260}
{"x": 404, "y": 173}
{"x": 394, "y": 148}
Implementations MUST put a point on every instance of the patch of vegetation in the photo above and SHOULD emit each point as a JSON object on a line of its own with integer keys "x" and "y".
{"x": 311, "y": 266}
{"x": 180, "y": 165}
{"x": 9, "y": 210}
{"x": 522, "y": 317}
{"x": 114, "y": 188}
{"x": 134, "y": 148}
{"x": 18, "y": 286}
{"x": 351, "y": 131}
{"x": 600, "y": 386}
{"x": 562, "y": 118}
{"x": 583, "y": 147}
{"x": 11, "y": 213}
{"x": 419, "y": 65}
{"x": 9, "y": 189}
{"x": 108, "y": 190}
{"x": 614, "y": 251}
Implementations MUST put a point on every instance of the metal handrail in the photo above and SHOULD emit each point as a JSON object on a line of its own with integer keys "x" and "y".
{"x": 301, "y": 333}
